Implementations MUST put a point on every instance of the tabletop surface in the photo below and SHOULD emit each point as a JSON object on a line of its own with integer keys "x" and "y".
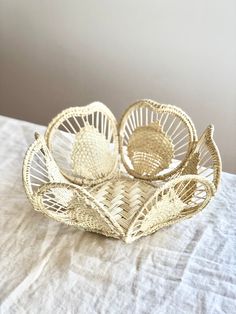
{"x": 48, "y": 267}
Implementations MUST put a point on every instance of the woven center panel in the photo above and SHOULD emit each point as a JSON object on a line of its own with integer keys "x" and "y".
{"x": 123, "y": 197}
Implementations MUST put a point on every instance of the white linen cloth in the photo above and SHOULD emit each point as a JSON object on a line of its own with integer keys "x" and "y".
{"x": 48, "y": 267}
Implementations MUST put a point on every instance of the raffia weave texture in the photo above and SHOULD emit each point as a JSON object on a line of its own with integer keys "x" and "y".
{"x": 124, "y": 181}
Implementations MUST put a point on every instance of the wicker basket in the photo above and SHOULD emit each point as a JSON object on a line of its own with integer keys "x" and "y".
{"x": 123, "y": 180}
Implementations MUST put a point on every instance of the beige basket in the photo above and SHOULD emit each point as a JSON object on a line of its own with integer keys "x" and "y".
{"x": 124, "y": 181}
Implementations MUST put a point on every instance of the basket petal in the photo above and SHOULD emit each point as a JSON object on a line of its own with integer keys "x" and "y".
{"x": 75, "y": 206}
{"x": 84, "y": 143}
{"x": 155, "y": 140}
{"x": 39, "y": 168}
{"x": 178, "y": 199}
{"x": 205, "y": 158}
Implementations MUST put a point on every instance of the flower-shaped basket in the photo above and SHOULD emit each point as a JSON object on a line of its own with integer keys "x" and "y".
{"x": 123, "y": 180}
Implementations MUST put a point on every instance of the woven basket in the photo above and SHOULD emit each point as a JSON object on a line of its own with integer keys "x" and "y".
{"x": 123, "y": 180}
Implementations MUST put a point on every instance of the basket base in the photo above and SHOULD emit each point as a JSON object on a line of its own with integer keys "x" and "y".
{"x": 123, "y": 197}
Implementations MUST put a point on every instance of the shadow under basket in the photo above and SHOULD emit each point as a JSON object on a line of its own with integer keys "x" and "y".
{"x": 123, "y": 180}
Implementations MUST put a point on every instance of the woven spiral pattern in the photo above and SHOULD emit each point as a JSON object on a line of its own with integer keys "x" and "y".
{"x": 159, "y": 173}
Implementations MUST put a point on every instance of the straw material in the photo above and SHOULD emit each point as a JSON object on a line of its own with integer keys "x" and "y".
{"x": 90, "y": 150}
{"x": 84, "y": 143}
{"x": 150, "y": 149}
{"x": 176, "y": 133}
{"x": 74, "y": 176}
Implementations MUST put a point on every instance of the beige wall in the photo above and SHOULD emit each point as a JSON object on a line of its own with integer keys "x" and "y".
{"x": 55, "y": 54}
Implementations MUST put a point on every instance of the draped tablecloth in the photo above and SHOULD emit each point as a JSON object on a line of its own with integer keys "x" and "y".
{"x": 48, "y": 267}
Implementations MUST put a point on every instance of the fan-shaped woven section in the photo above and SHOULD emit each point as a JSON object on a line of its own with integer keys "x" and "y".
{"x": 84, "y": 143}
{"x": 190, "y": 168}
{"x": 77, "y": 208}
{"x": 91, "y": 154}
{"x": 168, "y": 207}
{"x": 155, "y": 139}
{"x": 205, "y": 158}
{"x": 150, "y": 149}
{"x": 171, "y": 203}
